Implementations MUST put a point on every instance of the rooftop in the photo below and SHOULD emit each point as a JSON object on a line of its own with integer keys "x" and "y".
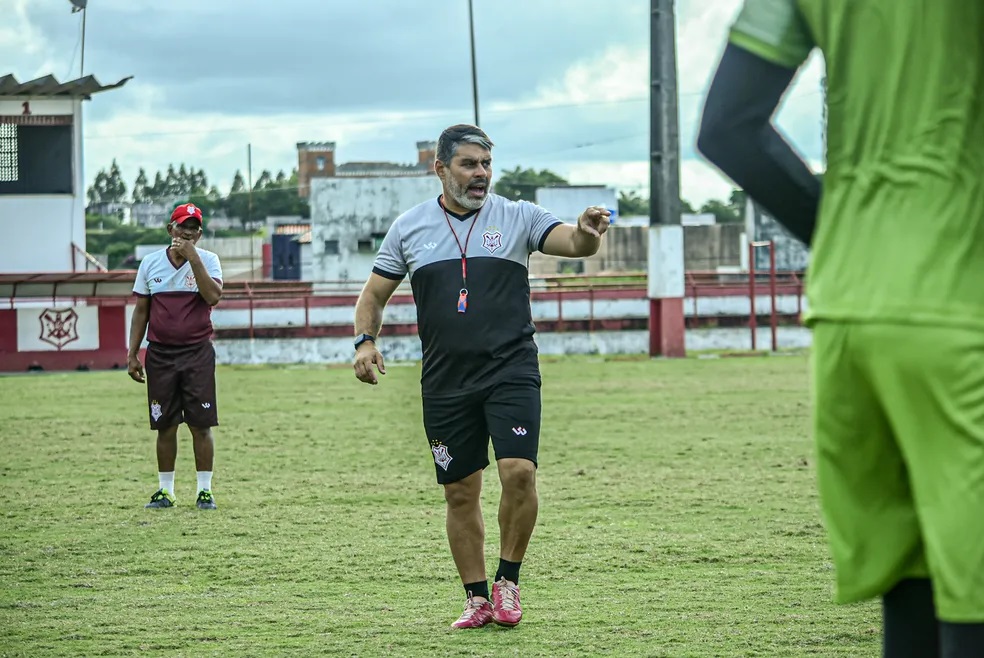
{"x": 50, "y": 86}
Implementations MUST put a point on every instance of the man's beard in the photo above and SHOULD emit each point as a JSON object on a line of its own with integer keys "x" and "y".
{"x": 460, "y": 193}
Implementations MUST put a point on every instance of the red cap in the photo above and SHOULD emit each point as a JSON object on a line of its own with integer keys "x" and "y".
{"x": 186, "y": 211}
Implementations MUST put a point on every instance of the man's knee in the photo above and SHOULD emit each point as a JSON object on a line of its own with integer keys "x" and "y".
{"x": 201, "y": 433}
{"x": 518, "y": 475}
{"x": 465, "y": 492}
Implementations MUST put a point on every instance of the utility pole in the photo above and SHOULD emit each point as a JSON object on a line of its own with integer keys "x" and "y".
{"x": 249, "y": 211}
{"x": 666, "y": 263}
{"x": 664, "y": 131}
{"x": 474, "y": 69}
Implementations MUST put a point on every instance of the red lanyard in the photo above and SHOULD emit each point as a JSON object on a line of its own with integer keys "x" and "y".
{"x": 463, "y": 293}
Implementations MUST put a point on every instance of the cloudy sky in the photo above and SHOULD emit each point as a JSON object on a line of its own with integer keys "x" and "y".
{"x": 563, "y": 84}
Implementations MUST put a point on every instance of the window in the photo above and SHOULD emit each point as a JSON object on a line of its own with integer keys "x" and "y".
{"x": 320, "y": 163}
{"x": 35, "y": 159}
{"x": 371, "y": 244}
{"x": 331, "y": 247}
{"x": 8, "y": 153}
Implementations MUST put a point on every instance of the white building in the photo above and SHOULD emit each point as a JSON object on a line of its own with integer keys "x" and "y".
{"x": 42, "y": 179}
{"x": 350, "y": 217}
{"x": 567, "y": 202}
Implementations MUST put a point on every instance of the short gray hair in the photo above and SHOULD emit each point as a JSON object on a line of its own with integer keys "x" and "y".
{"x": 455, "y": 136}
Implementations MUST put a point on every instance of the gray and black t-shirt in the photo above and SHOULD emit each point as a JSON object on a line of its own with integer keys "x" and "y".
{"x": 493, "y": 339}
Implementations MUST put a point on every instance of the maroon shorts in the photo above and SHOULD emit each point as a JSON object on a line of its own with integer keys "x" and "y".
{"x": 181, "y": 385}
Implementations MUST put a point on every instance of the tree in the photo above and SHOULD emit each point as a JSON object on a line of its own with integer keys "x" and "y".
{"x": 632, "y": 204}
{"x": 159, "y": 188}
{"x": 237, "y": 203}
{"x": 522, "y": 183}
{"x": 141, "y": 191}
{"x": 115, "y": 191}
{"x": 199, "y": 182}
{"x": 98, "y": 192}
{"x": 737, "y": 202}
{"x": 723, "y": 212}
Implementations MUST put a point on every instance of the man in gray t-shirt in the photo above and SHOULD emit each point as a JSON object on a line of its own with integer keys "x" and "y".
{"x": 467, "y": 253}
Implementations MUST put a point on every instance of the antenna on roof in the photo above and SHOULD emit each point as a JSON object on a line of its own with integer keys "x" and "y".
{"x": 77, "y": 6}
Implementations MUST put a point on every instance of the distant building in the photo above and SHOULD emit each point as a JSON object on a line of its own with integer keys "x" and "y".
{"x": 317, "y": 160}
{"x": 42, "y": 177}
{"x": 791, "y": 254}
{"x": 351, "y": 215}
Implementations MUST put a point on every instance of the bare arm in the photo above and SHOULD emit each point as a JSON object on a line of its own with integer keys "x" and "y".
{"x": 369, "y": 320}
{"x": 208, "y": 288}
{"x": 369, "y": 309}
{"x": 138, "y": 324}
{"x": 581, "y": 239}
{"x": 138, "y": 327}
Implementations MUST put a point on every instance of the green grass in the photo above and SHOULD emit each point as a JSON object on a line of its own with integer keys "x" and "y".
{"x": 678, "y": 518}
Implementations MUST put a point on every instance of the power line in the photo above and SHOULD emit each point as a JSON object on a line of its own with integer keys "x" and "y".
{"x": 421, "y": 116}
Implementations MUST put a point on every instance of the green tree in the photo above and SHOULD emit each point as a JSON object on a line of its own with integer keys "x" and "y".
{"x": 737, "y": 202}
{"x": 172, "y": 184}
{"x": 723, "y": 212}
{"x": 115, "y": 187}
{"x": 632, "y": 204}
{"x": 98, "y": 191}
{"x": 199, "y": 182}
{"x": 521, "y": 183}
{"x": 237, "y": 203}
{"x": 159, "y": 188}
{"x": 141, "y": 190}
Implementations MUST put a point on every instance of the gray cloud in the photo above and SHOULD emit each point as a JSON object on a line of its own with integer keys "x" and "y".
{"x": 260, "y": 58}
{"x": 376, "y": 76}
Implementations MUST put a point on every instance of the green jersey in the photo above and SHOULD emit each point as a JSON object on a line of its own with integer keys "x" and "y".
{"x": 900, "y": 233}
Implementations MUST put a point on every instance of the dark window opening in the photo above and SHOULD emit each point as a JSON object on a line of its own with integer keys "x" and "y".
{"x": 331, "y": 247}
{"x": 35, "y": 159}
{"x": 8, "y": 153}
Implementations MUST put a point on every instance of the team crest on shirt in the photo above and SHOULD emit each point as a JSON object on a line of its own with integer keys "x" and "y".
{"x": 492, "y": 239}
{"x": 190, "y": 281}
{"x": 441, "y": 455}
{"x": 155, "y": 410}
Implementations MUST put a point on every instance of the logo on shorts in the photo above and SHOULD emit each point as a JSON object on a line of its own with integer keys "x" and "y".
{"x": 492, "y": 239}
{"x": 441, "y": 456}
{"x": 155, "y": 410}
{"x": 206, "y": 405}
{"x": 519, "y": 431}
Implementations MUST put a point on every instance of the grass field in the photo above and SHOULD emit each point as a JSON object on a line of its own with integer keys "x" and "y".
{"x": 678, "y": 518}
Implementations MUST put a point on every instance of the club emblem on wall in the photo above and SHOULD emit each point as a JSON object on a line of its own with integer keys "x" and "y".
{"x": 59, "y": 327}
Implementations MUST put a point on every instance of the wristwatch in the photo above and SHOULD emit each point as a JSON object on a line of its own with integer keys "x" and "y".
{"x": 363, "y": 338}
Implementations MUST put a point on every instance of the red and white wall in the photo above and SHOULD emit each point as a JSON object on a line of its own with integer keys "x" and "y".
{"x": 318, "y": 328}
{"x": 63, "y": 337}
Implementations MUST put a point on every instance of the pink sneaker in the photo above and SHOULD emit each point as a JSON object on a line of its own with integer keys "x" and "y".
{"x": 506, "y": 610}
{"x": 478, "y": 613}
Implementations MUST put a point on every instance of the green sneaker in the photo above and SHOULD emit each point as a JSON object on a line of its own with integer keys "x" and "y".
{"x": 205, "y": 500}
{"x": 161, "y": 498}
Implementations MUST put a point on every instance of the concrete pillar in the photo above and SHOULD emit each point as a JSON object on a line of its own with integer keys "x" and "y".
{"x": 666, "y": 291}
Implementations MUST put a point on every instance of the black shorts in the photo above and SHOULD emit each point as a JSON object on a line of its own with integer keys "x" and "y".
{"x": 181, "y": 385}
{"x": 458, "y": 428}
